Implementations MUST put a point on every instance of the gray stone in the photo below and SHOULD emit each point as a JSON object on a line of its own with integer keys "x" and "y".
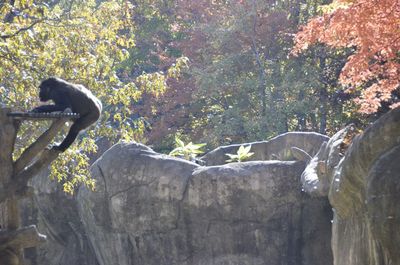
{"x": 363, "y": 187}
{"x": 278, "y": 148}
{"x": 318, "y": 175}
{"x": 56, "y": 215}
{"x": 154, "y": 209}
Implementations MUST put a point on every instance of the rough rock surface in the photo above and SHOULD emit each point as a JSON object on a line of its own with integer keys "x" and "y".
{"x": 56, "y": 215}
{"x": 154, "y": 209}
{"x": 151, "y": 208}
{"x": 278, "y": 148}
{"x": 363, "y": 187}
{"x": 317, "y": 177}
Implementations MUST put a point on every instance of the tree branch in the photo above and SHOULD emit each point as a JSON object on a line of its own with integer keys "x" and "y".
{"x": 258, "y": 61}
{"x": 44, "y": 160}
{"x": 25, "y": 237}
{"x": 300, "y": 154}
{"x": 18, "y": 184}
{"x": 4, "y": 37}
{"x": 29, "y": 154}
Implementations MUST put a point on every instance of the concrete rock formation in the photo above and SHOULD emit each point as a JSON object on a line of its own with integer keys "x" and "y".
{"x": 153, "y": 209}
{"x": 363, "y": 187}
{"x": 278, "y": 148}
{"x": 56, "y": 215}
{"x": 150, "y": 209}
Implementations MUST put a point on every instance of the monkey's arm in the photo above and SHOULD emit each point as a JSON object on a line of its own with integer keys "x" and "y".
{"x": 49, "y": 108}
{"x": 61, "y": 103}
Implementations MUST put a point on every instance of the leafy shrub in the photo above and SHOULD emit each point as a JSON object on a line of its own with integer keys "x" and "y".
{"x": 187, "y": 151}
{"x": 243, "y": 153}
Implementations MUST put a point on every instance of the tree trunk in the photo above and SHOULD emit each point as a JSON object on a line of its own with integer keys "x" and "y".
{"x": 9, "y": 216}
{"x": 14, "y": 177}
{"x": 323, "y": 110}
{"x": 323, "y": 96}
{"x": 261, "y": 69}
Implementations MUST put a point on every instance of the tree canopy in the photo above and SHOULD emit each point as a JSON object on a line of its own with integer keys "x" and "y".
{"x": 371, "y": 29}
{"x": 84, "y": 42}
{"x": 215, "y": 72}
{"x": 242, "y": 85}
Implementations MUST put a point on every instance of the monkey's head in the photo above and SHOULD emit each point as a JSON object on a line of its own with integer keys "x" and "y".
{"x": 46, "y": 87}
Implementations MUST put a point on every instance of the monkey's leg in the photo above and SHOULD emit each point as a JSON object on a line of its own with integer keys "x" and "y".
{"x": 70, "y": 138}
{"x": 79, "y": 125}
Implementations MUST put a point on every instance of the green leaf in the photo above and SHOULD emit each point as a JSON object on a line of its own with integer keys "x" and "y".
{"x": 243, "y": 153}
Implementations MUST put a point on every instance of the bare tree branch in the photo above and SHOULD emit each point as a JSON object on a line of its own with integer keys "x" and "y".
{"x": 30, "y": 153}
{"x": 18, "y": 184}
{"x": 4, "y": 37}
{"x": 44, "y": 160}
{"x": 257, "y": 56}
{"x": 300, "y": 154}
{"x": 25, "y": 237}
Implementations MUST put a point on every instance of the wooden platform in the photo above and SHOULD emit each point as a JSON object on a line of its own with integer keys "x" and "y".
{"x": 43, "y": 116}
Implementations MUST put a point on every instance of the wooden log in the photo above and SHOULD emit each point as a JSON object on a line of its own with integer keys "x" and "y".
{"x": 38, "y": 146}
{"x": 19, "y": 182}
{"x": 25, "y": 237}
{"x": 43, "y": 116}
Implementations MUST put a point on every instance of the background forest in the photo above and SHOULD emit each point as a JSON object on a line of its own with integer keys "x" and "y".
{"x": 216, "y": 72}
{"x": 243, "y": 84}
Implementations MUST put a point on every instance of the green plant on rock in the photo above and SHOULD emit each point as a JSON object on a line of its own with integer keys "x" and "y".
{"x": 243, "y": 153}
{"x": 187, "y": 151}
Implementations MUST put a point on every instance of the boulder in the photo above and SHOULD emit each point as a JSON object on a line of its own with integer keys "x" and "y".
{"x": 363, "y": 187}
{"x": 318, "y": 175}
{"x": 56, "y": 215}
{"x": 151, "y": 208}
{"x": 278, "y": 148}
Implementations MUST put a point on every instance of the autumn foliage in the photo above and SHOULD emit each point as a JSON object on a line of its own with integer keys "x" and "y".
{"x": 371, "y": 29}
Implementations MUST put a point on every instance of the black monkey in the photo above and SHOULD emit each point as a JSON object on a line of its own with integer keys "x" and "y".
{"x": 67, "y": 95}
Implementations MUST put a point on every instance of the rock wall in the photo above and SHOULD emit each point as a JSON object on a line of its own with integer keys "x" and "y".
{"x": 162, "y": 210}
{"x": 56, "y": 215}
{"x": 154, "y": 209}
{"x": 363, "y": 187}
{"x": 151, "y": 208}
{"x": 277, "y": 148}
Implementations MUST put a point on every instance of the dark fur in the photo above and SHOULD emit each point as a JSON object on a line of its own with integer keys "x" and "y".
{"x": 67, "y": 95}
